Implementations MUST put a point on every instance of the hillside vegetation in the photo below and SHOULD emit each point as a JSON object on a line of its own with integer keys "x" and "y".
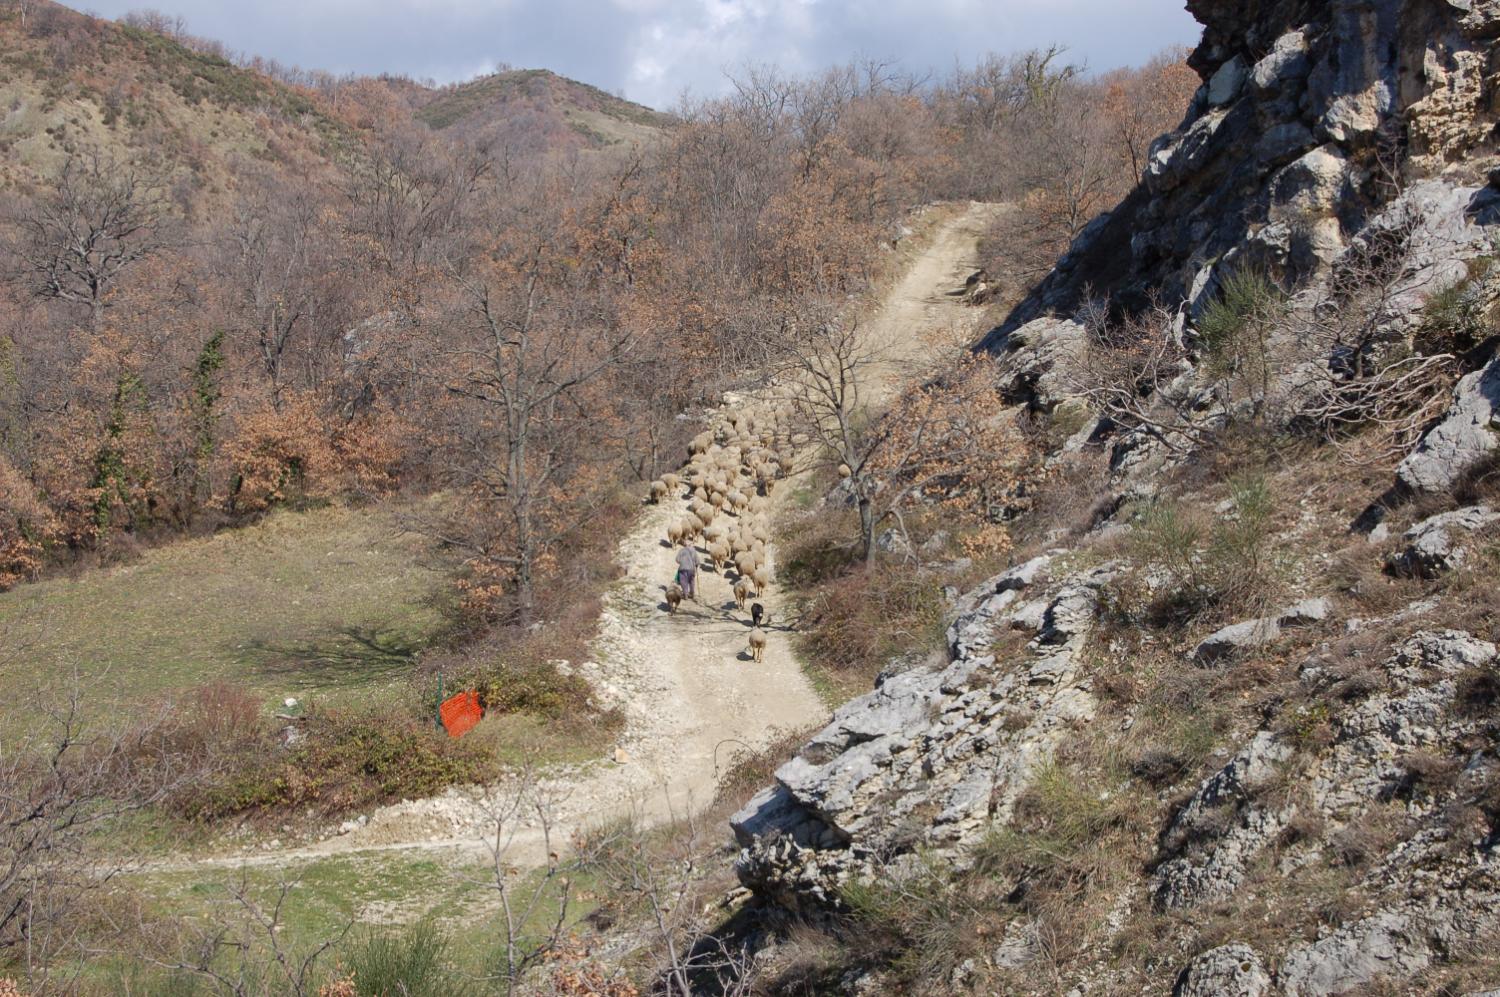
{"x": 538, "y": 107}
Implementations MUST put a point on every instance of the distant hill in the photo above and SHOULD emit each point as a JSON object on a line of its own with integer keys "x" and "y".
{"x": 536, "y": 108}
{"x": 71, "y": 82}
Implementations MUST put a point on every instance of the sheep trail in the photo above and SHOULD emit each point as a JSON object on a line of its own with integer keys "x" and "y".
{"x": 690, "y": 695}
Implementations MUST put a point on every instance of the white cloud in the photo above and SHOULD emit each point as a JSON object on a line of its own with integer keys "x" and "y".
{"x": 654, "y": 49}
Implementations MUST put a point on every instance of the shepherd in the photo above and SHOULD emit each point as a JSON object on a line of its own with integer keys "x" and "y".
{"x": 687, "y": 570}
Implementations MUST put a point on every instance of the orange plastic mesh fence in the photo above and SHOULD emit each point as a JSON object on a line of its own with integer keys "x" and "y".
{"x": 460, "y": 713}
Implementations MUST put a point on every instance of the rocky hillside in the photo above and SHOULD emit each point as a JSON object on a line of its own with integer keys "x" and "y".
{"x": 1231, "y": 725}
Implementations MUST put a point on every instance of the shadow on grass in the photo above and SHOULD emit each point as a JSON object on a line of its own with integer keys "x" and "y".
{"x": 364, "y": 654}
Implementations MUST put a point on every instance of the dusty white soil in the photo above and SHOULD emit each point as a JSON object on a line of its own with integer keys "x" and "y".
{"x": 690, "y": 694}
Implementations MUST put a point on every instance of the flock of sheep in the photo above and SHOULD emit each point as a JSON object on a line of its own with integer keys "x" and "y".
{"x": 728, "y": 479}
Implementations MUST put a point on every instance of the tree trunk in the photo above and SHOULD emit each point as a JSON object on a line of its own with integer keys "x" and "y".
{"x": 867, "y": 528}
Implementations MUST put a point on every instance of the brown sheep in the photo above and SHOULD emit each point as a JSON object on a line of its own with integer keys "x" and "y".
{"x": 742, "y": 591}
{"x": 674, "y": 597}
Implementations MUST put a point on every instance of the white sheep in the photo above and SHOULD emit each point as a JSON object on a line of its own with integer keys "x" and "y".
{"x": 757, "y": 643}
{"x": 743, "y": 589}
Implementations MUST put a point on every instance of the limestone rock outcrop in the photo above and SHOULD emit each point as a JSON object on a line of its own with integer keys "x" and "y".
{"x": 930, "y": 759}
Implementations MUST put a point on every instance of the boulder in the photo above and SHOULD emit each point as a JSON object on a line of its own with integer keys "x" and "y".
{"x": 1223, "y": 644}
{"x": 1464, "y": 437}
{"x": 1440, "y": 543}
{"x": 1314, "y": 184}
{"x": 1233, "y": 970}
{"x": 1385, "y": 945}
{"x": 1224, "y": 86}
{"x": 1212, "y": 839}
{"x": 1305, "y": 613}
{"x": 1286, "y": 64}
{"x": 930, "y": 758}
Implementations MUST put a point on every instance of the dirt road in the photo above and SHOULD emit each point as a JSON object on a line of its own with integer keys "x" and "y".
{"x": 690, "y": 695}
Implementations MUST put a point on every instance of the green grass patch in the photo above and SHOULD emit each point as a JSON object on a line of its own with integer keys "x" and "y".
{"x": 430, "y": 922}
{"x": 334, "y": 602}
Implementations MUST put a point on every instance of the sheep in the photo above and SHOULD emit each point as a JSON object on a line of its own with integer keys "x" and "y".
{"x": 762, "y": 578}
{"x": 672, "y": 481}
{"x": 700, "y": 444}
{"x": 658, "y": 491}
{"x": 742, "y": 590}
{"x": 757, "y": 643}
{"x": 674, "y": 533}
{"x": 844, "y": 471}
{"x": 674, "y": 597}
{"x": 718, "y": 554}
{"x": 745, "y": 564}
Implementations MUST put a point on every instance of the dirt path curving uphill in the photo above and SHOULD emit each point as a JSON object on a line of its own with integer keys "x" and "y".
{"x": 690, "y": 694}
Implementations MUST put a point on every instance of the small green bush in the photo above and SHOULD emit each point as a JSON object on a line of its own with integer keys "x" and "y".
{"x": 346, "y": 760}
{"x": 1185, "y": 562}
{"x": 406, "y": 962}
{"x": 1234, "y": 326}
{"x": 1461, "y": 316}
{"x": 536, "y": 688}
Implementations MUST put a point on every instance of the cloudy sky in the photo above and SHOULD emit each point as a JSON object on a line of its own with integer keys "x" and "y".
{"x": 654, "y": 50}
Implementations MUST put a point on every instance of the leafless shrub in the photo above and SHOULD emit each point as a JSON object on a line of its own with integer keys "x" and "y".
{"x": 1138, "y": 373}
{"x": 243, "y": 951}
{"x": 1360, "y": 379}
{"x": 59, "y": 788}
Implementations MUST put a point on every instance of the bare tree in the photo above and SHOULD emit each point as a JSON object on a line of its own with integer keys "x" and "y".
{"x": 58, "y": 788}
{"x": 824, "y": 363}
{"x": 103, "y": 218}
{"x": 531, "y": 333}
{"x": 244, "y": 952}
{"x": 523, "y": 820}
{"x": 280, "y": 273}
{"x": 661, "y": 877}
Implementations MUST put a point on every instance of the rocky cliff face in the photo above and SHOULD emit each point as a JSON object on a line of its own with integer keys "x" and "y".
{"x": 1290, "y": 146}
{"x": 1320, "y": 128}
